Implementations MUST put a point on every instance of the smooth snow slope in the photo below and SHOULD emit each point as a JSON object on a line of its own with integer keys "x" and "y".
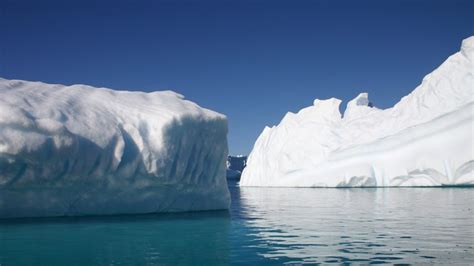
{"x": 424, "y": 140}
{"x": 79, "y": 150}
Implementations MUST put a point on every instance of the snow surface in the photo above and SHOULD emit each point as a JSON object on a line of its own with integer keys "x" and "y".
{"x": 80, "y": 150}
{"x": 424, "y": 140}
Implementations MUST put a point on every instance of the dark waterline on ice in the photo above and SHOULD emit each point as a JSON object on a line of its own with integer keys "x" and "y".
{"x": 265, "y": 226}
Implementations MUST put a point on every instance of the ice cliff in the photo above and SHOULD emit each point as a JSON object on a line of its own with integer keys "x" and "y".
{"x": 426, "y": 139}
{"x": 80, "y": 150}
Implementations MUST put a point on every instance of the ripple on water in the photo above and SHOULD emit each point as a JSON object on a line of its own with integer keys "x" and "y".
{"x": 370, "y": 225}
{"x": 266, "y": 226}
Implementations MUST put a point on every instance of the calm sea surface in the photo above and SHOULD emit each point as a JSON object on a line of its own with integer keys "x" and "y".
{"x": 264, "y": 226}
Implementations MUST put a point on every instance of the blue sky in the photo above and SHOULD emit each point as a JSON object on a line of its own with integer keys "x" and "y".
{"x": 251, "y": 60}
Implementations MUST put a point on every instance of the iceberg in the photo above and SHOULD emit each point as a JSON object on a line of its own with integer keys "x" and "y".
{"x": 80, "y": 150}
{"x": 426, "y": 139}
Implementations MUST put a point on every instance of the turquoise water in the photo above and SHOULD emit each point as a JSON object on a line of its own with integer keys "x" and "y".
{"x": 264, "y": 226}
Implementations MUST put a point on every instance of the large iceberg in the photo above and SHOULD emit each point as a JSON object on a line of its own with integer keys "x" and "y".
{"x": 80, "y": 150}
{"x": 424, "y": 140}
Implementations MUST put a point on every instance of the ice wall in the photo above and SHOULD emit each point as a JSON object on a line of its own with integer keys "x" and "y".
{"x": 80, "y": 150}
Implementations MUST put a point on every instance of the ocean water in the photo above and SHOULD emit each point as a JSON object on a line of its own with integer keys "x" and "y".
{"x": 264, "y": 226}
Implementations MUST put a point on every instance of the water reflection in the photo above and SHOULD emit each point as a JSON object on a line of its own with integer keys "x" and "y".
{"x": 264, "y": 226}
{"x": 167, "y": 239}
{"x": 392, "y": 225}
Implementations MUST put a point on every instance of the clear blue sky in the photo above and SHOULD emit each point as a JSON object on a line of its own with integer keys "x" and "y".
{"x": 251, "y": 60}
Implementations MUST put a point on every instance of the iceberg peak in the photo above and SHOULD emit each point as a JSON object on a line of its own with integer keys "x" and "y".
{"x": 359, "y": 106}
{"x": 361, "y": 100}
{"x": 328, "y": 106}
{"x": 467, "y": 48}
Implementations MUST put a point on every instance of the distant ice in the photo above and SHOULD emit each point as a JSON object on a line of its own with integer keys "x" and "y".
{"x": 235, "y": 166}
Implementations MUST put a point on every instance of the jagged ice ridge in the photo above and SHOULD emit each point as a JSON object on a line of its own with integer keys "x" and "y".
{"x": 424, "y": 140}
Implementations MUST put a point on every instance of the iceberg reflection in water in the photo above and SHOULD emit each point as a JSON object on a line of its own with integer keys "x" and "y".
{"x": 264, "y": 226}
{"x": 391, "y": 225}
{"x": 199, "y": 238}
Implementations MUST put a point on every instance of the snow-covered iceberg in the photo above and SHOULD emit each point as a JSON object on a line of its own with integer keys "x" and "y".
{"x": 424, "y": 140}
{"x": 80, "y": 150}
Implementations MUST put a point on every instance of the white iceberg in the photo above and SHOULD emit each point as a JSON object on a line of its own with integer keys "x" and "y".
{"x": 79, "y": 150}
{"x": 424, "y": 140}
